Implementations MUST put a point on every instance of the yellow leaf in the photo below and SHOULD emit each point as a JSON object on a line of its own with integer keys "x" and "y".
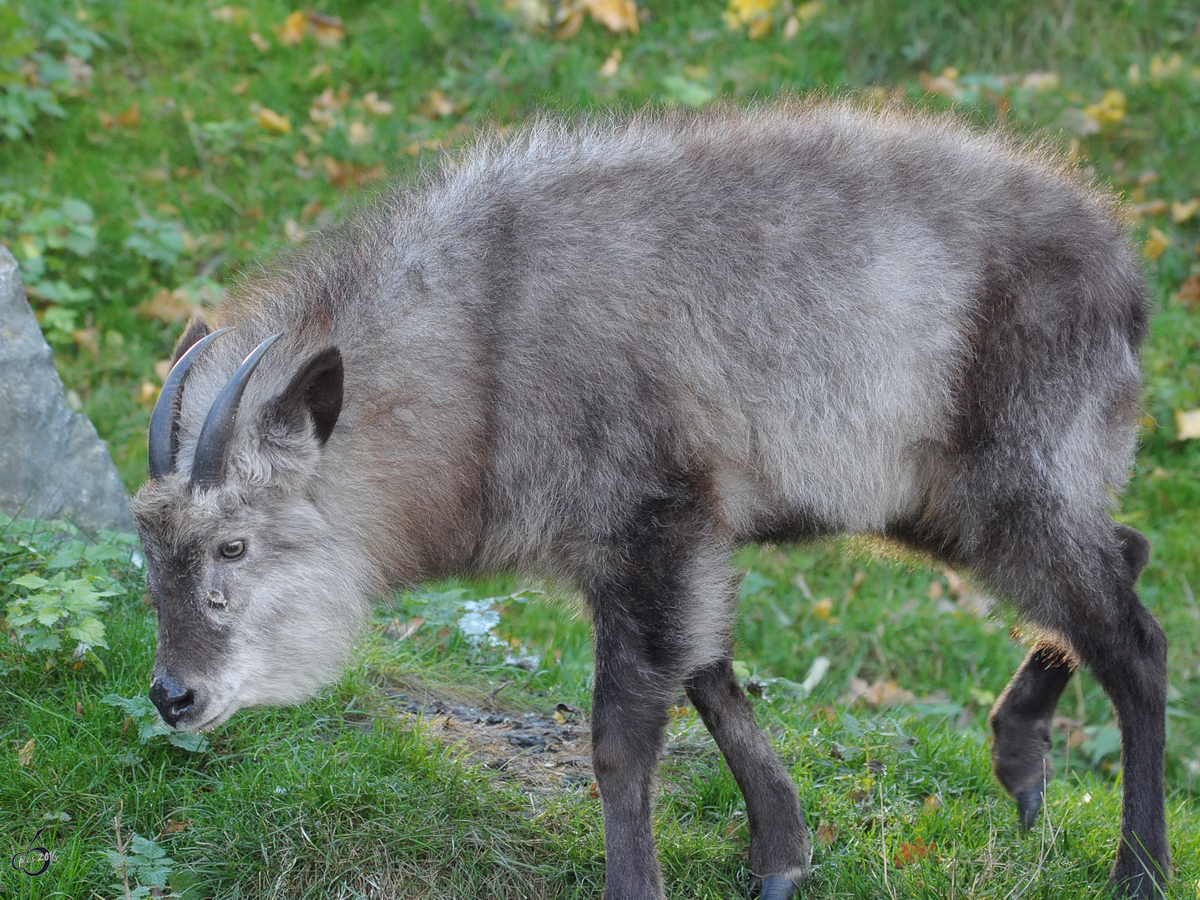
{"x": 272, "y": 121}
{"x": 823, "y": 608}
{"x": 260, "y": 43}
{"x": 328, "y": 30}
{"x": 1110, "y": 109}
{"x": 359, "y": 133}
{"x": 759, "y": 28}
{"x": 1182, "y": 211}
{"x": 293, "y": 29}
{"x": 1039, "y": 82}
{"x": 1187, "y": 424}
{"x": 615, "y": 15}
{"x": 148, "y": 394}
{"x": 609, "y": 69}
{"x": 25, "y": 754}
{"x": 1160, "y": 68}
{"x": 534, "y": 13}
{"x": 1156, "y": 244}
{"x": 806, "y": 12}
{"x": 745, "y": 12}
{"x": 791, "y": 28}
{"x": 568, "y": 22}
{"x": 229, "y": 14}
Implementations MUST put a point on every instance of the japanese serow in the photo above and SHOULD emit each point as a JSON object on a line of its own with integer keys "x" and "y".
{"x": 608, "y": 352}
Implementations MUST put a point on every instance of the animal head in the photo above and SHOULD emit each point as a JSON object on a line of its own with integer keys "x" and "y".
{"x": 258, "y": 591}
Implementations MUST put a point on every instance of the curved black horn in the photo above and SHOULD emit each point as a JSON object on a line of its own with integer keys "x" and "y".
{"x": 163, "y": 421}
{"x": 212, "y": 447}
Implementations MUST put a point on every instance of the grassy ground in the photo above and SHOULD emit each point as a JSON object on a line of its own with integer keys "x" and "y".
{"x": 154, "y": 150}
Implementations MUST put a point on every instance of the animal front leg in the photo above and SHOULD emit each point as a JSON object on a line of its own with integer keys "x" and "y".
{"x": 629, "y": 717}
{"x": 779, "y": 839}
{"x": 1021, "y": 725}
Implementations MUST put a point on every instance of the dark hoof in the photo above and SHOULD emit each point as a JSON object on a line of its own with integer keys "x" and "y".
{"x": 1029, "y": 804}
{"x": 776, "y": 887}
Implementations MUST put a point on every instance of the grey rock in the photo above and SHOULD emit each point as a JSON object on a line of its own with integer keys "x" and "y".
{"x": 53, "y": 464}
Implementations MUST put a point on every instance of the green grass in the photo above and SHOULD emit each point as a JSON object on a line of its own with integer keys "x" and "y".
{"x": 184, "y": 188}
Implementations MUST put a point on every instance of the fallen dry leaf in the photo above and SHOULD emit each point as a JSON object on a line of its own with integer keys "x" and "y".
{"x": 1187, "y": 424}
{"x": 1182, "y": 211}
{"x": 87, "y": 340}
{"x": 1156, "y": 243}
{"x": 615, "y": 15}
{"x": 884, "y": 692}
{"x": 532, "y": 13}
{"x": 293, "y": 29}
{"x": 147, "y": 394}
{"x": 229, "y": 14}
{"x": 342, "y": 174}
{"x": 376, "y": 107}
{"x": 359, "y": 133}
{"x": 437, "y": 105}
{"x": 944, "y": 85}
{"x": 1040, "y": 82}
{"x": 609, "y": 69}
{"x": 1149, "y": 208}
{"x": 827, "y": 834}
{"x": 328, "y": 30}
{"x": 399, "y": 631}
{"x": 272, "y": 121}
{"x": 129, "y": 118}
{"x": 567, "y": 22}
{"x": 1189, "y": 292}
{"x": 25, "y": 754}
{"x": 293, "y": 232}
{"x": 169, "y": 307}
{"x": 260, "y": 43}
{"x": 174, "y": 826}
{"x": 909, "y": 853}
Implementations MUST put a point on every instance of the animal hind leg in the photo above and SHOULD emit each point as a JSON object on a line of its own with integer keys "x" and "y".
{"x": 779, "y": 838}
{"x": 1021, "y": 726}
{"x": 1126, "y": 650}
{"x": 1100, "y": 617}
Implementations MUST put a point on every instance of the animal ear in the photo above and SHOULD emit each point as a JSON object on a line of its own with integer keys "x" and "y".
{"x": 314, "y": 395}
{"x": 197, "y": 328}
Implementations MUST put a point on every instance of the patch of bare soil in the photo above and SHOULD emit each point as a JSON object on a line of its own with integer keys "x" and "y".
{"x": 542, "y": 754}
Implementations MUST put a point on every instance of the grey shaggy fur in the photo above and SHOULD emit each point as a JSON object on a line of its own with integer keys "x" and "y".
{"x": 609, "y": 352}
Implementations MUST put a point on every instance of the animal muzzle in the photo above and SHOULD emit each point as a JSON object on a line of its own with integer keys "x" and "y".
{"x": 173, "y": 700}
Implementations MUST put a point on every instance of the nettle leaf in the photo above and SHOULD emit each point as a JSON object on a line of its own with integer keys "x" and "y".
{"x": 34, "y": 582}
{"x": 90, "y": 632}
{"x": 192, "y": 741}
{"x": 44, "y": 642}
{"x": 49, "y": 617}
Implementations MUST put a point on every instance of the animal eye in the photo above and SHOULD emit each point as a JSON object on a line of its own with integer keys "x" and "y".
{"x": 233, "y": 549}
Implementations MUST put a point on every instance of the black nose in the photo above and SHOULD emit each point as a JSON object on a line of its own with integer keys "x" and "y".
{"x": 171, "y": 698}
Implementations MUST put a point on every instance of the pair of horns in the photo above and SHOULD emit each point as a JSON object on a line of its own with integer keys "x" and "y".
{"x": 212, "y": 447}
